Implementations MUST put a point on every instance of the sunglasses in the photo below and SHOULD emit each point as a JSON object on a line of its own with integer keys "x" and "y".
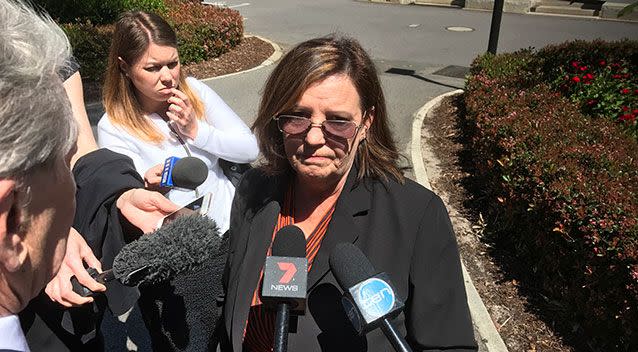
{"x": 296, "y": 125}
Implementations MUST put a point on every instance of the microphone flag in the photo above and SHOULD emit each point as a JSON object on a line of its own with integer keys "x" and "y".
{"x": 167, "y": 172}
{"x": 371, "y": 300}
{"x": 285, "y": 278}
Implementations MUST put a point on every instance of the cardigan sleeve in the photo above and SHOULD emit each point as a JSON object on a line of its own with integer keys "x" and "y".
{"x": 101, "y": 177}
{"x": 223, "y": 133}
{"x": 437, "y": 316}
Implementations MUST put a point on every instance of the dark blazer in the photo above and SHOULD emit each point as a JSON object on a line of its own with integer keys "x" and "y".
{"x": 404, "y": 230}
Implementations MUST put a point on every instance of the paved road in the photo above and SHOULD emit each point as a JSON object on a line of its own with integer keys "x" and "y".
{"x": 385, "y": 28}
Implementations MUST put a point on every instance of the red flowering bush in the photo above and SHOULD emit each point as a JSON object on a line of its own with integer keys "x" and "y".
{"x": 601, "y": 77}
{"x": 203, "y": 32}
{"x": 560, "y": 192}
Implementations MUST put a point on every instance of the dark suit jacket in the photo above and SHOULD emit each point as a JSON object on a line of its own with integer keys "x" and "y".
{"x": 404, "y": 230}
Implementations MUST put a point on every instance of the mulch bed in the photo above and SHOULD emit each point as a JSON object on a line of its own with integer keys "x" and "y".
{"x": 251, "y": 52}
{"x": 525, "y": 319}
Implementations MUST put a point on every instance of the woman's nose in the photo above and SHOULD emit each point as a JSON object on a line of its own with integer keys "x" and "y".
{"x": 165, "y": 75}
{"x": 315, "y": 135}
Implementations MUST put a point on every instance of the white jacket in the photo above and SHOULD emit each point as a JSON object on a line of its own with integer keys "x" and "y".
{"x": 222, "y": 135}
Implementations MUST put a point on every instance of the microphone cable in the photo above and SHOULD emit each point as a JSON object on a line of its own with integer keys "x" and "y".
{"x": 181, "y": 141}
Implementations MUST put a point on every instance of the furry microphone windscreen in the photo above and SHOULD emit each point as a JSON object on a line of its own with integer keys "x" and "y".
{"x": 179, "y": 246}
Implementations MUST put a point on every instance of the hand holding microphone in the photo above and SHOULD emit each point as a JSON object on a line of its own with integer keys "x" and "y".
{"x": 187, "y": 173}
{"x": 369, "y": 299}
{"x": 60, "y": 288}
{"x": 177, "y": 247}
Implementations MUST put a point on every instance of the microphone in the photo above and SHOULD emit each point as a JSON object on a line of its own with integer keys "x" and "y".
{"x": 188, "y": 172}
{"x": 369, "y": 299}
{"x": 285, "y": 280}
{"x": 177, "y": 247}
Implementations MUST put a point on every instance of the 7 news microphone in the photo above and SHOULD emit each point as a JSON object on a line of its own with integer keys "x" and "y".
{"x": 285, "y": 281}
{"x": 369, "y": 299}
{"x": 188, "y": 172}
{"x": 170, "y": 250}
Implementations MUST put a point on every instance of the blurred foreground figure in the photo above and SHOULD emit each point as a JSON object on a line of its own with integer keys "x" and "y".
{"x": 37, "y": 191}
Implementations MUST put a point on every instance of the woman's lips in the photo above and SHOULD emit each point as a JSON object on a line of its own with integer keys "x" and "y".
{"x": 314, "y": 158}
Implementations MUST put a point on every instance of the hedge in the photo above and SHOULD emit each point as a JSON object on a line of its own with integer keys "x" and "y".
{"x": 96, "y": 11}
{"x": 600, "y": 77}
{"x": 203, "y": 32}
{"x": 560, "y": 189}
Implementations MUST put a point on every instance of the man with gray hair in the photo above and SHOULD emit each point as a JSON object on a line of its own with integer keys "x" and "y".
{"x": 37, "y": 191}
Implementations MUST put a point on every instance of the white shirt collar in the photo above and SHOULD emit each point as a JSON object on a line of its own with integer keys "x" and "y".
{"x": 12, "y": 335}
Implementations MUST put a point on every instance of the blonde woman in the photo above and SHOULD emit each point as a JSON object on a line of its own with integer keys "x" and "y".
{"x": 154, "y": 112}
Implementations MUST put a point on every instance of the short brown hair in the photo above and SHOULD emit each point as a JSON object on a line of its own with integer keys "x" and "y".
{"x": 313, "y": 61}
{"x": 134, "y": 32}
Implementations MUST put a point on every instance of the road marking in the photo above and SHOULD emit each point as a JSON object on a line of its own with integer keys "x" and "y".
{"x": 459, "y": 29}
{"x": 239, "y": 5}
{"x": 214, "y": 3}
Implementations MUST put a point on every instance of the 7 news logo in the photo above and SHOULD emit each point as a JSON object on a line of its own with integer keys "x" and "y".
{"x": 288, "y": 273}
{"x": 289, "y": 270}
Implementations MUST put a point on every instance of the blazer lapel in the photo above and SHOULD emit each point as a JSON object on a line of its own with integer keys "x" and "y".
{"x": 348, "y": 220}
{"x": 259, "y": 238}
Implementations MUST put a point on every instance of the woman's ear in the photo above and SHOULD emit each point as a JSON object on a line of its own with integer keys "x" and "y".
{"x": 369, "y": 119}
{"x": 13, "y": 252}
{"x": 123, "y": 65}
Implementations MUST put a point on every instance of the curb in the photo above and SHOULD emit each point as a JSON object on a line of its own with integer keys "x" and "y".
{"x": 269, "y": 61}
{"x": 480, "y": 316}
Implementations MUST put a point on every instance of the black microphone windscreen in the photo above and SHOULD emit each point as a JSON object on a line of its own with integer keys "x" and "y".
{"x": 172, "y": 249}
{"x": 289, "y": 242}
{"x": 189, "y": 172}
{"x": 349, "y": 265}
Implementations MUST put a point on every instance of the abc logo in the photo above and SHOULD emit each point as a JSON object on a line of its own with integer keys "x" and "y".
{"x": 376, "y": 297}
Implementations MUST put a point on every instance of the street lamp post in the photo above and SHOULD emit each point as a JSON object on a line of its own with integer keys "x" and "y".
{"x": 497, "y": 13}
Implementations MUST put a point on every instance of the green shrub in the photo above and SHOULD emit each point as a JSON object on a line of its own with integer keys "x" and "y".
{"x": 96, "y": 11}
{"x": 564, "y": 188}
{"x": 90, "y": 46}
{"x": 156, "y": 6}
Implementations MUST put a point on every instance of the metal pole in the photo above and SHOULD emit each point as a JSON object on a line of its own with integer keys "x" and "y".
{"x": 497, "y": 13}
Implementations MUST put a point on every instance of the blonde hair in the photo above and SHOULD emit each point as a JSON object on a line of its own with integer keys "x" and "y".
{"x": 133, "y": 34}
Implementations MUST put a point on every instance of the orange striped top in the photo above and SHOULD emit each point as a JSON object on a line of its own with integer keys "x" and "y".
{"x": 260, "y": 327}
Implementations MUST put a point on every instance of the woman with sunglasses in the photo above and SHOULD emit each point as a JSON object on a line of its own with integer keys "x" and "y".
{"x": 153, "y": 112}
{"x": 330, "y": 168}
